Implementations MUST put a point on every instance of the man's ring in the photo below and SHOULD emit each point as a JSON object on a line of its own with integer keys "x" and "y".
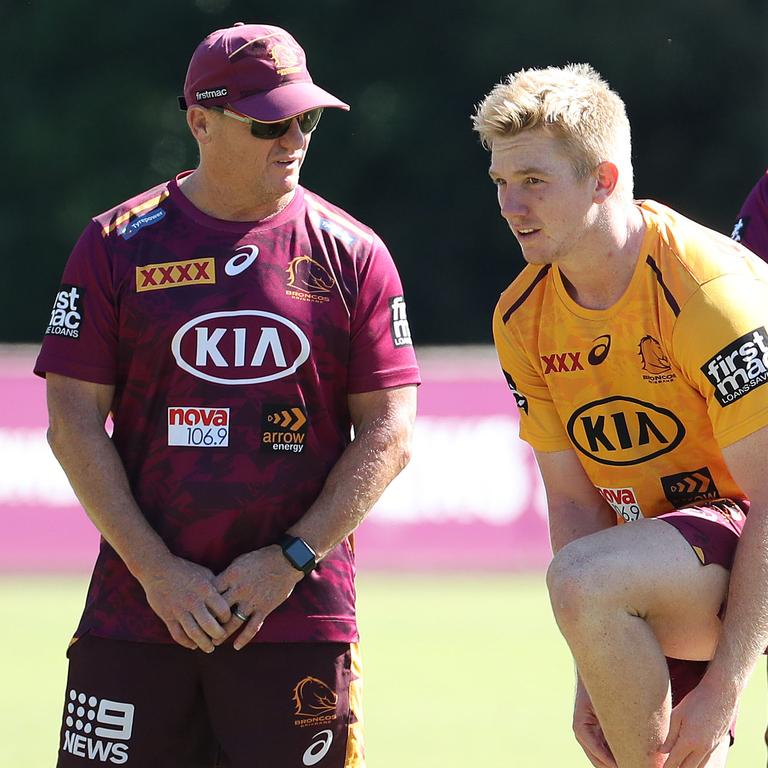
{"x": 236, "y": 612}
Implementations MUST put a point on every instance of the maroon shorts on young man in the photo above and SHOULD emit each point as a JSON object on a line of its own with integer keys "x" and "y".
{"x": 713, "y": 531}
{"x": 270, "y": 705}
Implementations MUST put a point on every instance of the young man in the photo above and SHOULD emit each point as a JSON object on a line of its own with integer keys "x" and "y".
{"x": 636, "y": 345}
{"x": 236, "y": 327}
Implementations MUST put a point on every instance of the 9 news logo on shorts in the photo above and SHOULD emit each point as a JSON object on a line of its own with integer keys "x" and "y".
{"x": 97, "y": 729}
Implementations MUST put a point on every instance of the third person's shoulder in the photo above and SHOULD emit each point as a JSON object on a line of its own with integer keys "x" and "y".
{"x": 751, "y": 228}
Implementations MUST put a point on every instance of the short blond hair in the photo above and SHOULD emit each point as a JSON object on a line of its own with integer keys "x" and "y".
{"x": 575, "y": 104}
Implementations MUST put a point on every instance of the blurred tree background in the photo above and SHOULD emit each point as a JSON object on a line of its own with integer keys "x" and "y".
{"x": 91, "y": 119}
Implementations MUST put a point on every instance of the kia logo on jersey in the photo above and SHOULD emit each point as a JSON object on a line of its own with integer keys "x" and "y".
{"x": 621, "y": 431}
{"x": 243, "y": 347}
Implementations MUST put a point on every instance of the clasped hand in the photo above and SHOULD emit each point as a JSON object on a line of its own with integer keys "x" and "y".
{"x": 197, "y": 605}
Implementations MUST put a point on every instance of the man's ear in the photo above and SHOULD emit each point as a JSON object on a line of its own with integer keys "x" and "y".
{"x": 606, "y": 178}
{"x": 200, "y": 122}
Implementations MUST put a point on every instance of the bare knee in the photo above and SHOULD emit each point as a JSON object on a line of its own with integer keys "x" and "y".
{"x": 576, "y": 579}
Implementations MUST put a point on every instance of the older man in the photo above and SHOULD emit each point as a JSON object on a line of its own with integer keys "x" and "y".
{"x": 236, "y": 327}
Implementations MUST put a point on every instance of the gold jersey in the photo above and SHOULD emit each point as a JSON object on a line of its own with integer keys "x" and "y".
{"x": 648, "y": 391}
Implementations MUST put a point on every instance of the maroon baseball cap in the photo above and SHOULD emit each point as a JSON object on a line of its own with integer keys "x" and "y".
{"x": 257, "y": 69}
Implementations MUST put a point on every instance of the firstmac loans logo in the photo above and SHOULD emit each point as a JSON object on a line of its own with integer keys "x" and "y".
{"x": 740, "y": 367}
{"x": 67, "y": 312}
{"x": 97, "y": 729}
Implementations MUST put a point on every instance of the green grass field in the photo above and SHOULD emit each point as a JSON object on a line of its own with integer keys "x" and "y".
{"x": 459, "y": 671}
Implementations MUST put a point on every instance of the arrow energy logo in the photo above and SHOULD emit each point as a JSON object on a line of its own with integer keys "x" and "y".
{"x": 690, "y": 487}
{"x": 284, "y": 428}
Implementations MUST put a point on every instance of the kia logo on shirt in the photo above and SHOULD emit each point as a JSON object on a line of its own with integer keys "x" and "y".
{"x": 243, "y": 347}
{"x": 621, "y": 431}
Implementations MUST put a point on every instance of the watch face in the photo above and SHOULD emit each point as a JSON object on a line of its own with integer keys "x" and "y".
{"x": 299, "y": 552}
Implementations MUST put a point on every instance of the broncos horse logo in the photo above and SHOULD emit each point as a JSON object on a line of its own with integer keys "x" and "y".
{"x": 312, "y": 697}
{"x": 653, "y": 356}
{"x": 306, "y": 275}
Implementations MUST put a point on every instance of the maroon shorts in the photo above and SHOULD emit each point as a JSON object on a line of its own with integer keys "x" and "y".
{"x": 713, "y": 532}
{"x": 270, "y": 705}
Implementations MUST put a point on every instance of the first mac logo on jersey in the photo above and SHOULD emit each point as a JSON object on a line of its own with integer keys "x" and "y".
{"x": 67, "y": 312}
{"x": 739, "y": 368}
{"x": 401, "y": 331}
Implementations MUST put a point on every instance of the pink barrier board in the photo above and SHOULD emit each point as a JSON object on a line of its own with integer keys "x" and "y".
{"x": 471, "y": 497}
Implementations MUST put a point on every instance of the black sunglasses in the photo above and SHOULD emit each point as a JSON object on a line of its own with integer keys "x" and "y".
{"x": 307, "y": 123}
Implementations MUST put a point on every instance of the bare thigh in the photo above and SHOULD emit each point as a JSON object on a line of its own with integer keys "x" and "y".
{"x": 648, "y": 569}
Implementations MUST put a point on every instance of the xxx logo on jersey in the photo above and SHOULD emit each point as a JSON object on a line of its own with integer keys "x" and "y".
{"x": 238, "y": 348}
{"x": 562, "y": 363}
{"x": 567, "y": 362}
{"x": 172, "y": 274}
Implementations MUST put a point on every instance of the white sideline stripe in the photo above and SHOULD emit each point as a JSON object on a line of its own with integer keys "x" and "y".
{"x": 462, "y": 470}
{"x": 30, "y": 473}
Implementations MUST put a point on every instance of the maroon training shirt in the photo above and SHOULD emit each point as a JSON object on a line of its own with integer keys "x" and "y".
{"x": 751, "y": 229}
{"x": 232, "y": 347}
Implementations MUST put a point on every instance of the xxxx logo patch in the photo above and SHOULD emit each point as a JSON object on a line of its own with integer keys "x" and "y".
{"x": 155, "y": 277}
